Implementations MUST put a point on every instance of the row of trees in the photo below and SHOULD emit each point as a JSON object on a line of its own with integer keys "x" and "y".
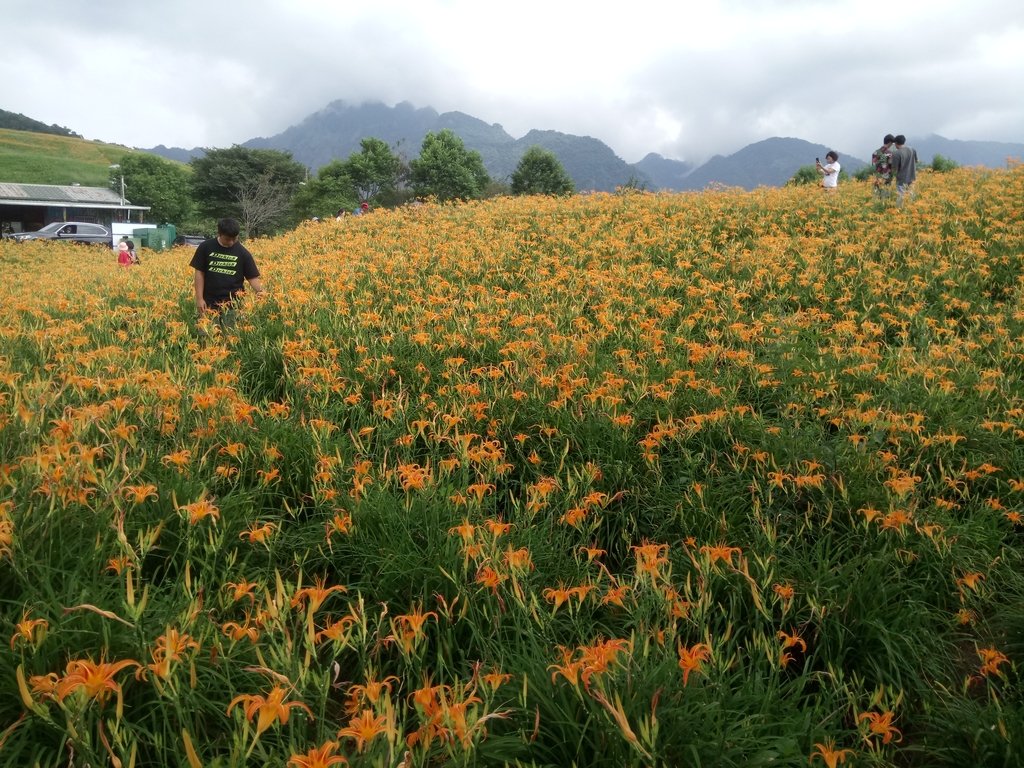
{"x": 267, "y": 190}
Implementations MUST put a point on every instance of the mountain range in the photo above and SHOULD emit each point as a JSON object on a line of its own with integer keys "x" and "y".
{"x": 335, "y": 131}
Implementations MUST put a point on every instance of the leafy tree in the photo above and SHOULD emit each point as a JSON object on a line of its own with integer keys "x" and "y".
{"x": 225, "y": 178}
{"x": 805, "y": 174}
{"x": 374, "y": 171}
{"x": 942, "y": 164}
{"x": 865, "y": 173}
{"x": 161, "y": 184}
{"x": 540, "y": 173}
{"x": 331, "y": 191}
{"x": 495, "y": 188}
{"x": 447, "y": 170}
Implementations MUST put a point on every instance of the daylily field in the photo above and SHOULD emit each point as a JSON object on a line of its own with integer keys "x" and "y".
{"x": 718, "y": 479}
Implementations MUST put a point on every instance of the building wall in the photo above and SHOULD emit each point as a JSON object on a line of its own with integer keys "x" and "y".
{"x": 29, "y": 218}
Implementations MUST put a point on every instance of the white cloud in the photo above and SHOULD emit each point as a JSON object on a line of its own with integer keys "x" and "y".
{"x": 686, "y": 80}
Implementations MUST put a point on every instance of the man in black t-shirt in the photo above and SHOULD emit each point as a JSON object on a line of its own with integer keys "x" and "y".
{"x": 222, "y": 265}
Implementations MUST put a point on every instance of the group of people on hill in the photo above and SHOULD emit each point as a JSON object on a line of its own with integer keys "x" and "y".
{"x": 893, "y": 160}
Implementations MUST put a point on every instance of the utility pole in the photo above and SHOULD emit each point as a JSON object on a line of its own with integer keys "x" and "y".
{"x": 117, "y": 167}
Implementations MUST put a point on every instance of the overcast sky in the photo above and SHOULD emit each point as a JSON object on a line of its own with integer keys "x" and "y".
{"x": 683, "y": 78}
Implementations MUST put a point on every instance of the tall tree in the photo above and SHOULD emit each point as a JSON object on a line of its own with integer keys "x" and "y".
{"x": 223, "y": 178}
{"x": 261, "y": 203}
{"x": 446, "y": 170}
{"x": 540, "y": 173}
{"x": 374, "y": 170}
{"x": 163, "y": 185}
{"x": 331, "y": 191}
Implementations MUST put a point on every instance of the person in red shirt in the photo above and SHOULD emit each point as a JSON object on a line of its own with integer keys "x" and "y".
{"x": 124, "y": 256}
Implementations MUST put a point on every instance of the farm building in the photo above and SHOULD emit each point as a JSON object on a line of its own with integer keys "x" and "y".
{"x": 27, "y": 207}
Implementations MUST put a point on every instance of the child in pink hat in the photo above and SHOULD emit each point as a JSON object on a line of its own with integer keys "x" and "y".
{"x": 124, "y": 256}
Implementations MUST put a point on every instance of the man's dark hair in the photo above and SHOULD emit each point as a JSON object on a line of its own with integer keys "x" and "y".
{"x": 832, "y": 153}
{"x": 889, "y": 139}
{"x": 901, "y": 140}
{"x": 228, "y": 228}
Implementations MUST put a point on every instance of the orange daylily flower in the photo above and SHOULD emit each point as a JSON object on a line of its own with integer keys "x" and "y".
{"x": 318, "y": 757}
{"x": 179, "y": 460}
{"x": 44, "y": 686}
{"x": 789, "y": 641}
{"x": 269, "y": 476}
{"x": 240, "y": 589}
{"x": 479, "y": 490}
{"x": 269, "y": 708}
{"x": 971, "y": 581}
{"x": 137, "y": 494}
{"x": 991, "y": 659}
{"x": 364, "y": 728}
{"x": 720, "y": 552}
{"x": 340, "y": 524}
{"x": 314, "y": 596}
{"x": 257, "y": 534}
{"x": 895, "y": 520}
{"x": 691, "y": 659}
{"x": 590, "y": 660}
{"x": 465, "y": 529}
{"x": 784, "y": 591}
{"x": 518, "y": 559}
{"x": 829, "y": 755}
{"x": 569, "y": 668}
{"x": 236, "y": 631}
{"x": 338, "y": 630}
{"x": 413, "y": 626}
{"x": 650, "y": 557}
{"x": 169, "y": 647}
{"x": 119, "y": 564}
{"x": 369, "y": 692}
{"x": 490, "y": 578}
{"x": 557, "y": 596}
{"x": 26, "y": 630}
{"x": 495, "y": 680}
{"x": 616, "y": 595}
{"x": 95, "y": 679}
{"x": 497, "y": 527}
{"x": 599, "y": 657}
{"x": 880, "y": 724}
{"x": 199, "y": 510}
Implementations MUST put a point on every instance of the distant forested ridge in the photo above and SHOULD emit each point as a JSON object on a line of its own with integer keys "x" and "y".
{"x": 16, "y": 121}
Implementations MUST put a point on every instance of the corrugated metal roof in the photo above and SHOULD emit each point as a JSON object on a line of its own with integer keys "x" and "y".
{"x": 57, "y": 194}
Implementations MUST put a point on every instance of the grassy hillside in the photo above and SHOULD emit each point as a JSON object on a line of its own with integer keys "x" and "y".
{"x": 38, "y": 158}
{"x": 727, "y": 479}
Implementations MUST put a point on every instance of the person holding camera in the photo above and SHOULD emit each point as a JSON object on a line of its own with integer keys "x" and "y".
{"x": 829, "y": 171}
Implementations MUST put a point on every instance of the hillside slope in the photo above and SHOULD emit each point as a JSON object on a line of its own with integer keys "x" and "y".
{"x": 27, "y": 157}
